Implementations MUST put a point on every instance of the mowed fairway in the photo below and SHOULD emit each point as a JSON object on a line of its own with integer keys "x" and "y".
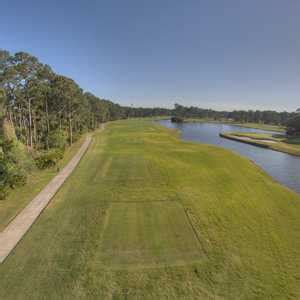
{"x": 146, "y": 216}
{"x": 148, "y": 234}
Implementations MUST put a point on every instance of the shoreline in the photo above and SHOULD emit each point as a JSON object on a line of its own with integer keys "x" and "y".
{"x": 265, "y": 127}
{"x": 257, "y": 143}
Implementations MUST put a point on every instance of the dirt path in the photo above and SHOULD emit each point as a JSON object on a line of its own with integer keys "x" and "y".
{"x": 17, "y": 228}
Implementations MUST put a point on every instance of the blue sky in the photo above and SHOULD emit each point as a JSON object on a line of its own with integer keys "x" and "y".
{"x": 229, "y": 54}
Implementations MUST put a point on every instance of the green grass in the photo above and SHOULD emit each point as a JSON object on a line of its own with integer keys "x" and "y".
{"x": 146, "y": 216}
{"x": 36, "y": 181}
{"x": 259, "y": 136}
{"x": 127, "y": 243}
{"x": 279, "y": 142}
{"x": 261, "y": 126}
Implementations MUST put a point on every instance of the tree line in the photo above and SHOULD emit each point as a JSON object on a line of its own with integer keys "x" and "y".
{"x": 40, "y": 104}
{"x": 240, "y": 116}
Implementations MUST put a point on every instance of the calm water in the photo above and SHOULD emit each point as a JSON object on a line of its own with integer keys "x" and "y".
{"x": 283, "y": 167}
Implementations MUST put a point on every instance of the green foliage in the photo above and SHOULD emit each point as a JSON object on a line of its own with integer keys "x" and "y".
{"x": 14, "y": 163}
{"x": 293, "y": 125}
{"x": 16, "y": 176}
{"x": 50, "y": 158}
{"x": 17, "y": 153}
{"x": 2, "y": 103}
{"x": 41, "y": 103}
{"x": 176, "y": 120}
{"x": 58, "y": 139}
{"x": 241, "y": 116}
{"x": 4, "y": 186}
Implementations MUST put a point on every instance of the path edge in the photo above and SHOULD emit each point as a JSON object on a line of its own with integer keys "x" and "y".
{"x": 37, "y": 203}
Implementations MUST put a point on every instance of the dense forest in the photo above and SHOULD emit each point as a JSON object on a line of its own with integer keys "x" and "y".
{"x": 42, "y": 112}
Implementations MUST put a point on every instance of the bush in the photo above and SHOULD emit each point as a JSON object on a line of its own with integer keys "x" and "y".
{"x": 176, "y": 120}
{"x": 58, "y": 139}
{"x": 3, "y": 191}
{"x": 48, "y": 159}
{"x": 15, "y": 152}
{"x": 16, "y": 176}
{"x": 3, "y": 179}
{"x": 14, "y": 163}
{"x": 11, "y": 176}
{"x": 293, "y": 126}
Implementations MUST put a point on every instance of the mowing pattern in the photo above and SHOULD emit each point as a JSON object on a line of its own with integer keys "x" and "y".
{"x": 148, "y": 233}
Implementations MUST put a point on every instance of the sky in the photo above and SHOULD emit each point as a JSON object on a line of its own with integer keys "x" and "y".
{"x": 219, "y": 54}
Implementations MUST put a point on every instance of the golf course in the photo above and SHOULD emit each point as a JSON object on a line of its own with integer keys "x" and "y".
{"x": 147, "y": 216}
{"x": 277, "y": 142}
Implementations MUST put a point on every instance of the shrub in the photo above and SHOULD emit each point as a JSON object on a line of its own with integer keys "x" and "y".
{"x": 14, "y": 163}
{"x": 11, "y": 175}
{"x": 176, "y": 120}
{"x": 3, "y": 179}
{"x": 48, "y": 159}
{"x": 294, "y": 126}
{"x": 16, "y": 176}
{"x": 58, "y": 139}
{"x": 3, "y": 191}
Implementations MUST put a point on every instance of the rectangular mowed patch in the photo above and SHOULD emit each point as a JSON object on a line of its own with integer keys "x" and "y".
{"x": 148, "y": 233}
{"x": 140, "y": 179}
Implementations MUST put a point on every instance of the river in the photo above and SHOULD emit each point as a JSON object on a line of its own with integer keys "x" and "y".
{"x": 282, "y": 167}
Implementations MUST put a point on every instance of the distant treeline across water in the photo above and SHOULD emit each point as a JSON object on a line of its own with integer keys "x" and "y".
{"x": 243, "y": 116}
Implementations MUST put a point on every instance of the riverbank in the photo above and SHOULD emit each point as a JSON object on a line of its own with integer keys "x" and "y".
{"x": 279, "y": 143}
{"x": 145, "y": 215}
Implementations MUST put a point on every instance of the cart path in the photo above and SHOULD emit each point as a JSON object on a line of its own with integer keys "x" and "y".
{"x": 17, "y": 228}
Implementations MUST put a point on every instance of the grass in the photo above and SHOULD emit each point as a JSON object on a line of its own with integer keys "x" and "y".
{"x": 36, "y": 181}
{"x": 261, "y": 126}
{"x": 127, "y": 243}
{"x": 277, "y": 142}
{"x": 147, "y": 216}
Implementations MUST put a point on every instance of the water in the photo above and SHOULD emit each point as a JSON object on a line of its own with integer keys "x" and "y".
{"x": 283, "y": 167}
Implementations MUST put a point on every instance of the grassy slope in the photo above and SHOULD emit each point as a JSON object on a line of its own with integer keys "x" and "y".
{"x": 19, "y": 197}
{"x": 116, "y": 228}
{"x": 290, "y": 145}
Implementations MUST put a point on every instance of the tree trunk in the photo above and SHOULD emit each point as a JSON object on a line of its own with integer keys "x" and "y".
{"x": 70, "y": 129}
{"x": 47, "y": 124}
{"x": 30, "y": 123}
{"x": 34, "y": 131}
